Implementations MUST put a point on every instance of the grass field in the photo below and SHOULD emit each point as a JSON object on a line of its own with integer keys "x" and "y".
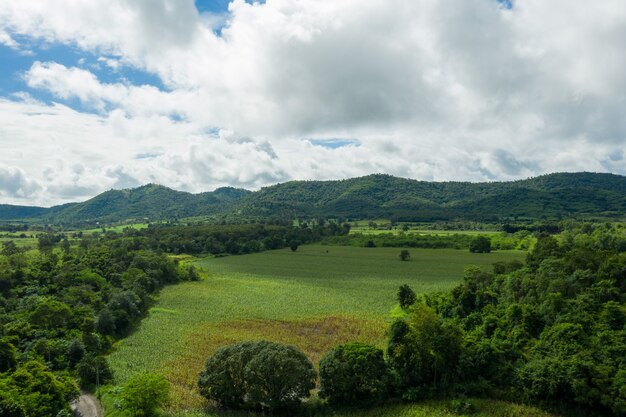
{"x": 485, "y": 408}
{"x": 315, "y": 298}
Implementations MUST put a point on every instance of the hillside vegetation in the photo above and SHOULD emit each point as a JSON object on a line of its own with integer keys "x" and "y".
{"x": 551, "y": 196}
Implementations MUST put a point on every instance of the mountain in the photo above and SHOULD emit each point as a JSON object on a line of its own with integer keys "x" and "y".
{"x": 152, "y": 201}
{"x": 383, "y": 196}
{"x": 552, "y": 196}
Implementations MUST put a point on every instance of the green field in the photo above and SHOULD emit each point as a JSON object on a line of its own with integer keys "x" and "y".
{"x": 20, "y": 242}
{"x": 315, "y": 298}
{"x": 485, "y": 408}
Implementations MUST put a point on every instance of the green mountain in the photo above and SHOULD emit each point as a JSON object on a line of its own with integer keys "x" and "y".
{"x": 153, "y": 202}
{"x": 550, "y": 196}
{"x": 383, "y": 196}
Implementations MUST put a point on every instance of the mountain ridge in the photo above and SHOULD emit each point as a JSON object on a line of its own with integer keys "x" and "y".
{"x": 557, "y": 195}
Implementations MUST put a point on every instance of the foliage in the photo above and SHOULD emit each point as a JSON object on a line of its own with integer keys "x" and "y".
{"x": 35, "y": 391}
{"x": 354, "y": 374}
{"x": 553, "y": 331}
{"x": 93, "y": 370}
{"x": 144, "y": 394}
{"x": 424, "y": 351}
{"x": 257, "y": 375}
{"x": 53, "y": 309}
{"x": 406, "y": 296}
{"x": 480, "y": 244}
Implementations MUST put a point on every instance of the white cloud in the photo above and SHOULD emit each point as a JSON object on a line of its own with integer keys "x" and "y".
{"x": 7, "y": 40}
{"x": 436, "y": 90}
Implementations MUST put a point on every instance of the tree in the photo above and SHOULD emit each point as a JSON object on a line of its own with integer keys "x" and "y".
{"x": 354, "y": 373}
{"x": 7, "y": 356}
{"x": 75, "y": 352}
{"x": 480, "y": 244}
{"x": 405, "y": 255}
{"x": 406, "y": 296}
{"x": 93, "y": 370}
{"x": 257, "y": 375}
{"x": 9, "y": 248}
{"x": 425, "y": 351}
{"x": 144, "y": 394}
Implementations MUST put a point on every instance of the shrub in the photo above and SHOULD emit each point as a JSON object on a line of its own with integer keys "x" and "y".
{"x": 144, "y": 394}
{"x": 257, "y": 375}
{"x": 354, "y": 373}
{"x": 404, "y": 255}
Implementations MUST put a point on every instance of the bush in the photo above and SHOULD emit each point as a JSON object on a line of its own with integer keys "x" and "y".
{"x": 144, "y": 394}
{"x": 404, "y": 255}
{"x": 354, "y": 373}
{"x": 257, "y": 375}
{"x": 480, "y": 244}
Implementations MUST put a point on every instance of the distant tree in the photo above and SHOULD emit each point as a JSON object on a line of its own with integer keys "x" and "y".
{"x": 143, "y": 395}
{"x": 405, "y": 255}
{"x": 65, "y": 245}
{"x": 353, "y": 374}
{"x": 480, "y": 244}
{"x": 293, "y": 246}
{"x": 406, "y": 296}
{"x": 9, "y": 248}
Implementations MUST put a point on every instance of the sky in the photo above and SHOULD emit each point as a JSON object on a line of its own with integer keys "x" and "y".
{"x": 197, "y": 95}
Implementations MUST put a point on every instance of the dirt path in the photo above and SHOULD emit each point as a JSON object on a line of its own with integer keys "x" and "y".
{"x": 87, "y": 406}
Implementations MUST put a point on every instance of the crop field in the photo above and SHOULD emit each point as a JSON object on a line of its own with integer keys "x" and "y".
{"x": 315, "y": 298}
{"x": 20, "y": 242}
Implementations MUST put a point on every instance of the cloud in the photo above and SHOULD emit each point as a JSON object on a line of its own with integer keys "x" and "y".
{"x": 465, "y": 90}
{"x": 7, "y": 40}
{"x": 15, "y": 183}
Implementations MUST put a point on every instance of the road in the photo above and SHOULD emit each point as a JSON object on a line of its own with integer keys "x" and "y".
{"x": 87, "y": 406}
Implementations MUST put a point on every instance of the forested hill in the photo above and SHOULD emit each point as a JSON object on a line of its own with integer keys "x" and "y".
{"x": 383, "y": 196}
{"x": 550, "y": 196}
{"x": 150, "y": 202}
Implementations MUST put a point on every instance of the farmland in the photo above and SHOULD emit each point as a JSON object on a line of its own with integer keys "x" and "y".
{"x": 314, "y": 298}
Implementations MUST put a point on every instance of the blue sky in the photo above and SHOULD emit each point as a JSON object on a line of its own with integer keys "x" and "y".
{"x": 15, "y": 63}
{"x": 100, "y": 95}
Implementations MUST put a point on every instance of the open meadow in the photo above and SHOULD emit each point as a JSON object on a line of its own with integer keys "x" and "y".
{"x": 315, "y": 298}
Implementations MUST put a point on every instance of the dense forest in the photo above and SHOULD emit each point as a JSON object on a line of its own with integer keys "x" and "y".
{"x": 554, "y": 196}
{"x": 552, "y": 332}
